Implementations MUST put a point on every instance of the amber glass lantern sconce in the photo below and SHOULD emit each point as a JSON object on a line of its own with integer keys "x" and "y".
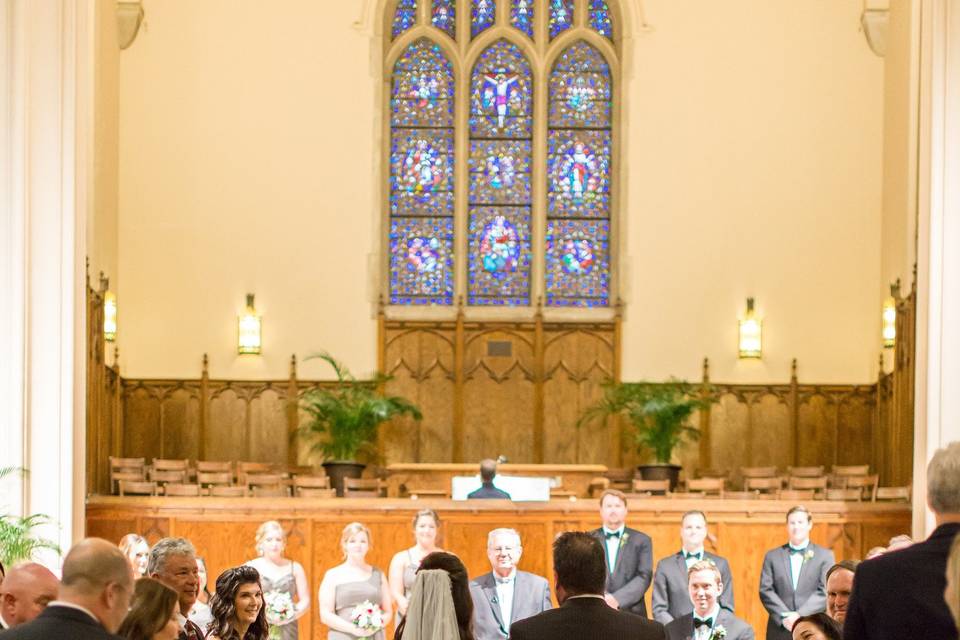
{"x": 248, "y": 330}
{"x": 751, "y": 333}
{"x": 109, "y": 316}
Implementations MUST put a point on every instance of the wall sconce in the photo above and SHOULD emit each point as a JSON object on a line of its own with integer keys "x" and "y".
{"x": 248, "y": 330}
{"x": 889, "y": 323}
{"x": 109, "y": 316}
{"x": 751, "y": 333}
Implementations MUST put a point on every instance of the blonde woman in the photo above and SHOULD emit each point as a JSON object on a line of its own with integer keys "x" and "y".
{"x": 403, "y": 567}
{"x": 351, "y": 583}
{"x": 137, "y": 551}
{"x": 280, "y": 574}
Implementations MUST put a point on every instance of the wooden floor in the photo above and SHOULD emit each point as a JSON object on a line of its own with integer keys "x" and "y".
{"x": 742, "y": 531}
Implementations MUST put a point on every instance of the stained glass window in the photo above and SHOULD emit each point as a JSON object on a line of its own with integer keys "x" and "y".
{"x": 421, "y": 177}
{"x": 404, "y": 17}
{"x": 600, "y": 18}
{"x": 501, "y": 128}
{"x": 578, "y": 179}
{"x": 482, "y": 16}
{"x": 561, "y": 16}
{"x": 445, "y": 16}
{"x": 521, "y": 16}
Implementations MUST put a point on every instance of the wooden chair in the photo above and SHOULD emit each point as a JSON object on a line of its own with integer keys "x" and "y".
{"x": 708, "y": 486}
{"x": 137, "y": 488}
{"x": 839, "y": 474}
{"x": 213, "y": 466}
{"x": 893, "y": 494}
{"x": 805, "y": 483}
{"x": 363, "y": 488}
{"x": 848, "y": 495}
{"x": 220, "y": 491}
{"x": 176, "y": 489}
{"x": 797, "y": 495}
{"x": 598, "y": 486}
{"x": 752, "y": 473}
{"x": 265, "y": 481}
{"x": 763, "y": 485}
{"x": 311, "y": 482}
{"x": 712, "y": 473}
{"x": 739, "y": 495}
{"x": 620, "y": 479}
{"x": 245, "y": 468}
{"x": 688, "y": 495}
{"x": 866, "y": 484}
{"x": 308, "y": 492}
{"x": 218, "y": 478}
{"x": 163, "y": 470}
{"x": 270, "y": 492}
{"x": 651, "y": 487}
{"x": 127, "y": 469}
{"x": 805, "y": 472}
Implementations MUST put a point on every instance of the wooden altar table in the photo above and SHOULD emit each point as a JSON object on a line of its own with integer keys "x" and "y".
{"x": 407, "y": 478}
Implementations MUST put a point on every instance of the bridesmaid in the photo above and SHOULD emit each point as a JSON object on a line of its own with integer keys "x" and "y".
{"x": 350, "y": 583}
{"x": 403, "y": 567}
{"x": 278, "y": 573}
{"x": 137, "y": 551}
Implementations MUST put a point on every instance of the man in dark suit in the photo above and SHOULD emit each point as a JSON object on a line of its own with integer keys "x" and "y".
{"x": 793, "y": 578}
{"x": 900, "y": 594}
{"x": 580, "y": 573}
{"x": 488, "y": 471}
{"x": 629, "y": 555}
{"x": 505, "y": 595}
{"x": 94, "y": 597}
{"x": 707, "y": 618}
{"x": 25, "y": 592}
{"x": 173, "y": 561}
{"x": 671, "y": 594}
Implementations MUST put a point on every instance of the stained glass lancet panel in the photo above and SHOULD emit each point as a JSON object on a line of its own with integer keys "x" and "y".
{"x": 421, "y": 177}
{"x": 444, "y": 16}
{"x": 482, "y": 16}
{"x": 577, "y": 264}
{"x": 561, "y": 16}
{"x": 404, "y": 17}
{"x": 521, "y": 15}
{"x": 600, "y": 20}
{"x": 501, "y": 128}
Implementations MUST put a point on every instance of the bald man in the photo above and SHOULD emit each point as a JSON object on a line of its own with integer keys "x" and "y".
{"x": 94, "y": 596}
{"x": 25, "y": 592}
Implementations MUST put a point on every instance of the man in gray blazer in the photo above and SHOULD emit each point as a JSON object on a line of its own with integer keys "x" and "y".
{"x": 793, "y": 578}
{"x": 629, "y": 555}
{"x": 505, "y": 595}
{"x": 707, "y": 618}
{"x": 671, "y": 596}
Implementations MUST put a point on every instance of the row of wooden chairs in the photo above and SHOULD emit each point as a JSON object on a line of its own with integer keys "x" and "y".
{"x": 181, "y": 471}
{"x": 258, "y": 486}
{"x": 798, "y": 491}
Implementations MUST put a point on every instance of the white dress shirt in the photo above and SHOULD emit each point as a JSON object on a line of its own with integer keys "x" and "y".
{"x": 613, "y": 545}
{"x": 704, "y": 632}
{"x": 505, "y": 596}
{"x": 796, "y": 562}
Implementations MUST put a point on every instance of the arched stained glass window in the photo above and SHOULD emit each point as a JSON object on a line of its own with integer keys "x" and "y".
{"x": 404, "y": 17}
{"x": 482, "y": 16}
{"x": 600, "y": 18}
{"x": 501, "y": 128}
{"x": 521, "y": 16}
{"x": 561, "y": 16}
{"x": 578, "y": 180}
{"x": 421, "y": 177}
{"x": 444, "y": 16}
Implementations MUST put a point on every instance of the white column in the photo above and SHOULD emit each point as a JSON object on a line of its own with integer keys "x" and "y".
{"x": 938, "y": 299}
{"x": 46, "y": 123}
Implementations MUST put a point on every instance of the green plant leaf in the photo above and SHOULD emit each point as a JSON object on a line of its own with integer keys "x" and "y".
{"x": 18, "y": 541}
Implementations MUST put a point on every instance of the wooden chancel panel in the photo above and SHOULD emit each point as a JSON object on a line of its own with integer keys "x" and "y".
{"x": 226, "y": 437}
{"x": 180, "y": 410}
{"x": 269, "y": 434}
{"x": 770, "y": 430}
{"x": 729, "y": 432}
{"x": 141, "y": 418}
{"x": 816, "y": 425}
{"x": 854, "y": 443}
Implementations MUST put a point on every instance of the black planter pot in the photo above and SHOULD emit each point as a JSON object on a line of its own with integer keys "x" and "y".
{"x": 669, "y": 472}
{"x": 338, "y": 470}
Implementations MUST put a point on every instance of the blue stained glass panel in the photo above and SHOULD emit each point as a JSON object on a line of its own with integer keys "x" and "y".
{"x": 561, "y": 16}
{"x": 483, "y": 14}
{"x": 500, "y": 171}
{"x": 445, "y": 16}
{"x": 578, "y": 263}
{"x": 404, "y": 17}
{"x": 501, "y": 99}
{"x": 499, "y": 269}
{"x": 421, "y": 172}
{"x": 521, "y": 16}
{"x": 421, "y": 261}
{"x": 422, "y": 94}
{"x": 580, "y": 89}
{"x": 578, "y": 170}
{"x": 600, "y": 21}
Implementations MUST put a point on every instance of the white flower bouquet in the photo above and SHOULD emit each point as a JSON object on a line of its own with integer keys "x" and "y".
{"x": 280, "y": 610}
{"x": 367, "y": 616}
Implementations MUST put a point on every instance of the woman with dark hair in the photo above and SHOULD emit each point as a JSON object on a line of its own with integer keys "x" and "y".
{"x": 153, "y": 613}
{"x": 817, "y": 626}
{"x": 432, "y": 609}
{"x": 237, "y": 607}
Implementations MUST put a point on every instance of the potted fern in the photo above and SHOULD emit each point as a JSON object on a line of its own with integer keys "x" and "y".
{"x": 344, "y": 419}
{"x": 18, "y": 541}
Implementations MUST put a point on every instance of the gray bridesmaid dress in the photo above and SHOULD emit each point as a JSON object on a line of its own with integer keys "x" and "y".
{"x": 287, "y": 583}
{"x": 350, "y": 594}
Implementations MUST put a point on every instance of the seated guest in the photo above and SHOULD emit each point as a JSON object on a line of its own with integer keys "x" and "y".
{"x": 153, "y": 613}
{"x": 173, "y": 562}
{"x": 900, "y": 594}
{"x": 488, "y": 471}
{"x": 237, "y": 607}
{"x": 708, "y": 618}
{"x": 348, "y": 584}
{"x": 200, "y": 612}
{"x": 403, "y": 567}
{"x": 817, "y": 626}
{"x": 629, "y": 555}
{"x": 440, "y": 605}
{"x": 839, "y": 586}
{"x": 793, "y": 578}
{"x": 138, "y": 553}
{"x": 952, "y": 592}
{"x": 25, "y": 592}
{"x": 671, "y": 593}
{"x": 94, "y": 596}
{"x": 580, "y": 576}
{"x": 505, "y": 595}
{"x": 279, "y": 574}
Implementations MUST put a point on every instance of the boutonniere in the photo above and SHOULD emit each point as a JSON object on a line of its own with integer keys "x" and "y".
{"x": 808, "y": 555}
{"x": 623, "y": 539}
{"x": 719, "y": 633}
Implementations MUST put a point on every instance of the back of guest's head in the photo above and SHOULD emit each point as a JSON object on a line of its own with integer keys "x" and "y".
{"x": 829, "y": 627}
{"x": 459, "y": 589}
{"x": 952, "y": 593}
{"x": 96, "y": 575}
{"x": 488, "y": 470}
{"x": 580, "y": 563}
{"x": 152, "y": 608}
{"x": 223, "y": 605}
{"x": 943, "y": 478}
{"x": 164, "y": 549}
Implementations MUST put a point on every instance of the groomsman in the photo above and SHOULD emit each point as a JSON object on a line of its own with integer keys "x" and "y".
{"x": 505, "y": 595}
{"x": 671, "y": 595}
{"x": 793, "y": 578}
{"x": 629, "y": 555}
{"x": 708, "y": 619}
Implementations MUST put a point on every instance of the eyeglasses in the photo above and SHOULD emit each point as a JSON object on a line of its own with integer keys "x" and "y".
{"x": 503, "y": 550}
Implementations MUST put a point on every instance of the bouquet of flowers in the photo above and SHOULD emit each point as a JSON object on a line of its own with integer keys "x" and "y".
{"x": 280, "y": 609}
{"x": 367, "y": 616}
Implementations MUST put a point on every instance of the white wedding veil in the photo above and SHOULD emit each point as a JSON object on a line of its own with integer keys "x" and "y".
{"x": 430, "y": 614}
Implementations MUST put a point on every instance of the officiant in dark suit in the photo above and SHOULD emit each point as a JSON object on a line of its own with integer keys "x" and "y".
{"x": 671, "y": 595}
{"x": 793, "y": 578}
{"x": 629, "y": 555}
{"x": 707, "y": 619}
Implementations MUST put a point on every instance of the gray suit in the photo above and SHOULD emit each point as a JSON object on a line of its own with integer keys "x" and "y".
{"x": 737, "y": 629}
{"x": 777, "y": 592}
{"x": 531, "y": 595}
{"x": 631, "y": 576}
{"x": 671, "y": 597}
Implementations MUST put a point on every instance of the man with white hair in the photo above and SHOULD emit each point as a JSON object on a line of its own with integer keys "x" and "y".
{"x": 505, "y": 595}
{"x": 25, "y": 592}
{"x": 173, "y": 561}
{"x": 900, "y": 594}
